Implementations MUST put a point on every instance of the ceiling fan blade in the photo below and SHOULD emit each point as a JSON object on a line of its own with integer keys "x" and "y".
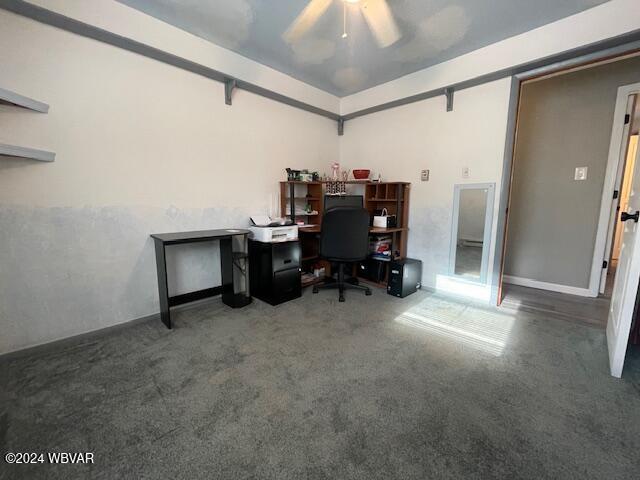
{"x": 380, "y": 20}
{"x": 310, "y": 15}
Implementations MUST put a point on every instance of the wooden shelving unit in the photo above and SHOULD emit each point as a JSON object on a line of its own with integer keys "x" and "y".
{"x": 394, "y": 196}
{"x": 303, "y": 193}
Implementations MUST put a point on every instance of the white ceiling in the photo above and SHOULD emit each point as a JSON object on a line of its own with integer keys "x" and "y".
{"x": 432, "y": 31}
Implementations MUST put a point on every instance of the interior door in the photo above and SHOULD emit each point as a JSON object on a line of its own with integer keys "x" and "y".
{"x": 625, "y": 287}
{"x": 624, "y": 196}
{"x": 615, "y": 202}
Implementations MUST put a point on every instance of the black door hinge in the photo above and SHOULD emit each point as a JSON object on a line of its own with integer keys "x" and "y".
{"x": 616, "y": 194}
{"x": 627, "y": 118}
{"x": 605, "y": 264}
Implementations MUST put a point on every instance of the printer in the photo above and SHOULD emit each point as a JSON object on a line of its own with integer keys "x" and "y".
{"x": 266, "y": 230}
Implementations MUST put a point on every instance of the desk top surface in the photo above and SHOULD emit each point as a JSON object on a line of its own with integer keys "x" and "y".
{"x": 200, "y": 235}
{"x": 374, "y": 230}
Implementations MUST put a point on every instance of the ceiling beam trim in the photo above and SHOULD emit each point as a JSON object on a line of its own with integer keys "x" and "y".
{"x": 612, "y": 47}
{"x": 68, "y": 24}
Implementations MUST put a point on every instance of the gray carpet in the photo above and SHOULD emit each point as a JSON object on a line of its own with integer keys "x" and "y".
{"x": 375, "y": 388}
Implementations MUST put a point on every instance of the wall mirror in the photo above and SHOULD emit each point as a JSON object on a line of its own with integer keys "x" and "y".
{"x": 471, "y": 231}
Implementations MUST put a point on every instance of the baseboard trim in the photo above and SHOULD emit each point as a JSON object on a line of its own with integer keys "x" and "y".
{"x": 72, "y": 341}
{"x": 553, "y": 287}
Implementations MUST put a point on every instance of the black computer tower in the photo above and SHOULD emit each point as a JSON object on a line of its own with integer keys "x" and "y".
{"x": 274, "y": 271}
{"x": 405, "y": 277}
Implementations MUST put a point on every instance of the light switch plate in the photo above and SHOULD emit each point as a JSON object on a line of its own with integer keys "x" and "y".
{"x": 581, "y": 173}
{"x": 466, "y": 172}
{"x": 424, "y": 175}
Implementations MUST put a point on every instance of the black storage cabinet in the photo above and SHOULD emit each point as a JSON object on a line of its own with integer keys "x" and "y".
{"x": 274, "y": 271}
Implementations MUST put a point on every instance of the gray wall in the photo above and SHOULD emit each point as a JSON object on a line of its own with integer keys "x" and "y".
{"x": 565, "y": 122}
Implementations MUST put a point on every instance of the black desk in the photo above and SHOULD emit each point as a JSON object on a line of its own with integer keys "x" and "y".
{"x": 227, "y": 256}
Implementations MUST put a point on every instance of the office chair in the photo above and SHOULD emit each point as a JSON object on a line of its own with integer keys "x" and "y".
{"x": 344, "y": 238}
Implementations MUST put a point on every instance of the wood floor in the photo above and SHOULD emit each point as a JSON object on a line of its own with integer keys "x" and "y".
{"x": 592, "y": 311}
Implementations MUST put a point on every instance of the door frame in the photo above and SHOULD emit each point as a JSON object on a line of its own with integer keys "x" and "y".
{"x": 617, "y": 156}
{"x": 504, "y": 199}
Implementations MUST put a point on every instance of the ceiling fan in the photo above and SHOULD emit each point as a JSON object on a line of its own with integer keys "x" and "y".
{"x": 376, "y": 13}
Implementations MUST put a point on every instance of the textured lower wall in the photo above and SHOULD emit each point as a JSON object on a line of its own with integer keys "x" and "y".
{"x": 72, "y": 270}
{"x": 429, "y": 239}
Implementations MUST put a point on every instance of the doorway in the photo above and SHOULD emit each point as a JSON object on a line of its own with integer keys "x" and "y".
{"x": 562, "y": 182}
{"x": 577, "y": 256}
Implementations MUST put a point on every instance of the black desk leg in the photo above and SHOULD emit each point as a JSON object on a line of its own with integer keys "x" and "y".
{"x": 163, "y": 289}
{"x": 226, "y": 269}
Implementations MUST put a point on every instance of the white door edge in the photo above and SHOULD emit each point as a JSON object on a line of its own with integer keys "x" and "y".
{"x": 615, "y": 145}
{"x": 613, "y": 203}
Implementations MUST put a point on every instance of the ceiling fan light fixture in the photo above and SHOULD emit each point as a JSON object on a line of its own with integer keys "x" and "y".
{"x": 377, "y": 14}
{"x": 344, "y": 20}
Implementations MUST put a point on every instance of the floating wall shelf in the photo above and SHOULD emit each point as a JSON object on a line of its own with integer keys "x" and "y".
{"x": 24, "y": 152}
{"x": 11, "y": 98}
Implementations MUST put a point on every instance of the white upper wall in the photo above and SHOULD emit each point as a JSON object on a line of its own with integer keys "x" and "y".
{"x": 608, "y": 20}
{"x": 130, "y": 23}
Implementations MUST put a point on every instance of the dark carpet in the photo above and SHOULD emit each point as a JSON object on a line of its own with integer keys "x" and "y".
{"x": 374, "y": 388}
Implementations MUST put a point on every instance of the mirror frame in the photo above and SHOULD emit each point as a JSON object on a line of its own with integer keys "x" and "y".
{"x": 488, "y": 223}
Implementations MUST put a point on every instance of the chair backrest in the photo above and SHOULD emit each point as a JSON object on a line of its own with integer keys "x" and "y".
{"x": 345, "y": 234}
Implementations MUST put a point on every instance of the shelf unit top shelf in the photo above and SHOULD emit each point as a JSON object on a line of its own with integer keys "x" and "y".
{"x": 8, "y": 97}
{"x": 348, "y": 182}
{"x": 25, "y": 152}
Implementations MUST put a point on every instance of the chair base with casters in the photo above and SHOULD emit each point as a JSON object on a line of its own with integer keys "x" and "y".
{"x": 341, "y": 284}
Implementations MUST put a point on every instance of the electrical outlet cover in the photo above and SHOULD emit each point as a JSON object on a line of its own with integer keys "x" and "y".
{"x": 581, "y": 173}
